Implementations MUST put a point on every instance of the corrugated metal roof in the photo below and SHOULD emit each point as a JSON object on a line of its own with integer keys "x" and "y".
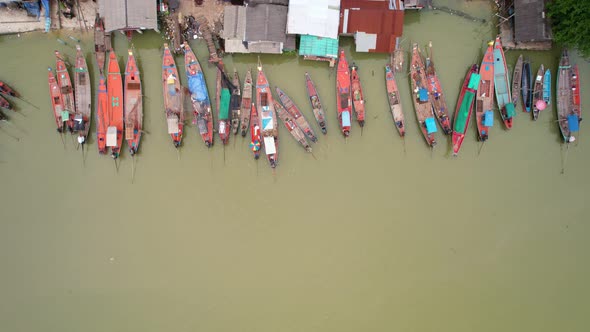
{"x": 265, "y": 47}
{"x": 234, "y": 23}
{"x": 266, "y": 23}
{"x": 314, "y": 17}
{"x": 372, "y": 17}
{"x": 318, "y": 46}
{"x": 128, "y": 14}
{"x": 529, "y": 21}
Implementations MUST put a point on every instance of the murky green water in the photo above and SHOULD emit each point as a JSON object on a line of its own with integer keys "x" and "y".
{"x": 365, "y": 238}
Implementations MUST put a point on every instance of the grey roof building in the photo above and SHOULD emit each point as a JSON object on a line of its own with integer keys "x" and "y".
{"x": 530, "y": 23}
{"x": 128, "y": 14}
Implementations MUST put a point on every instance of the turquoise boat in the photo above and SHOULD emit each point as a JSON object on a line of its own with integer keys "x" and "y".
{"x": 502, "y": 85}
{"x": 547, "y": 87}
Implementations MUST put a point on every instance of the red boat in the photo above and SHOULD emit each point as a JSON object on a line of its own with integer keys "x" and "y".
{"x": 255, "y": 132}
{"x": 576, "y": 100}
{"x": 484, "y": 103}
{"x": 465, "y": 107}
{"x": 133, "y": 105}
{"x": 6, "y": 90}
{"x": 296, "y": 114}
{"x": 394, "y": 101}
{"x": 115, "y": 106}
{"x": 172, "y": 97}
{"x": 223, "y": 99}
{"x": 102, "y": 119}
{"x": 343, "y": 99}
{"x": 5, "y": 104}
{"x": 67, "y": 90}
{"x": 268, "y": 118}
{"x": 316, "y": 104}
{"x": 57, "y": 102}
{"x": 358, "y": 100}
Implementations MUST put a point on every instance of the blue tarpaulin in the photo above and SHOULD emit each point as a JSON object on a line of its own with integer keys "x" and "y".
{"x": 488, "y": 119}
{"x": 430, "y": 125}
{"x": 346, "y": 119}
{"x": 573, "y": 122}
{"x": 198, "y": 87}
{"x": 423, "y": 94}
{"x": 33, "y": 8}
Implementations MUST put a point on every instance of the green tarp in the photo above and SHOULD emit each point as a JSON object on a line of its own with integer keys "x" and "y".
{"x": 474, "y": 81}
{"x": 461, "y": 117}
{"x": 510, "y": 111}
{"x": 224, "y": 104}
{"x": 318, "y": 46}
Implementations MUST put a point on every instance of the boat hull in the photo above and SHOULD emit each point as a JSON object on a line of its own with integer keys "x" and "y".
{"x": 292, "y": 127}
{"x": 102, "y": 105}
{"x": 246, "y": 107}
{"x": 502, "y": 85}
{"x": 437, "y": 97}
{"x": 394, "y": 101}
{"x": 67, "y": 90}
{"x": 57, "y": 103}
{"x": 83, "y": 95}
{"x": 464, "y": 108}
{"x": 201, "y": 104}
{"x": 255, "y": 135}
{"x": 422, "y": 104}
{"x": 343, "y": 98}
{"x": 316, "y": 104}
{"x": 115, "y": 106}
{"x": 133, "y": 105}
{"x": 267, "y": 118}
{"x": 526, "y": 87}
{"x": 538, "y": 93}
{"x": 296, "y": 115}
{"x": 358, "y": 100}
{"x": 484, "y": 102}
{"x": 172, "y": 98}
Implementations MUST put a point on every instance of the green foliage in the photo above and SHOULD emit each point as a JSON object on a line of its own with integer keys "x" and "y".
{"x": 570, "y": 21}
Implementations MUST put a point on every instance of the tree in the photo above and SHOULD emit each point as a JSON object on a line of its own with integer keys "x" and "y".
{"x": 570, "y": 23}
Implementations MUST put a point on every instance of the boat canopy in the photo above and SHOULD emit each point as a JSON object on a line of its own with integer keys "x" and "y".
{"x": 198, "y": 87}
{"x": 573, "y": 122}
{"x": 462, "y": 116}
{"x": 65, "y": 116}
{"x": 423, "y": 95}
{"x": 112, "y": 136}
{"x": 224, "y": 104}
{"x": 488, "y": 119}
{"x": 267, "y": 123}
{"x": 474, "y": 81}
{"x": 269, "y": 145}
{"x": 430, "y": 125}
{"x": 510, "y": 111}
{"x": 172, "y": 125}
{"x": 346, "y": 119}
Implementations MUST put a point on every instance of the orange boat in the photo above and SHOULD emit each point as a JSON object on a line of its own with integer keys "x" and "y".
{"x": 102, "y": 119}
{"x": 358, "y": 100}
{"x": 484, "y": 103}
{"x": 268, "y": 118}
{"x": 67, "y": 90}
{"x": 255, "y": 132}
{"x": 57, "y": 102}
{"x": 343, "y": 99}
{"x": 172, "y": 97}
{"x": 394, "y": 101}
{"x": 133, "y": 105}
{"x": 115, "y": 106}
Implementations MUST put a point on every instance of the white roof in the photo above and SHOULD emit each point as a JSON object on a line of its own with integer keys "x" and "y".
{"x": 269, "y": 145}
{"x": 314, "y": 17}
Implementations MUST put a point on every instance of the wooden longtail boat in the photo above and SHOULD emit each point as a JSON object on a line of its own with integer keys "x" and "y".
{"x": 172, "y": 97}
{"x": 102, "y": 115}
{"x": 296, "y": 114}
{"x": 203, "y": 116}
{"x": 502, "y": 85}
{"x": 422, "y": 104}
{"x": 223, "y": 98}
{"x": 547, "y": 87}
{"x": 516, "y": 80}
{"x": 57, "y": 103}
{"x": 484, "y": 103}
{"x": 316, "y": 104}
{"x": 268, "y": 118}
{"x": 83, "y": 96}
{"x": 246, "y": 104}
{"x": 436, "y": 95}
{"x": 343, "y": 100}
{"x": 394, "y": 101}
{"x": 7, "y": 90}
{"x": 538, "y": 102}
{"x": 526, "y": 86}
{"x": 235, "y": 103}
{"x": 5, "y": 104}
{"x": 255, "y": 136}
{"x": 115, "y": 106}
{"x": 465, "y": 107}
{"x": 133, "y": 105}
{"x": 67, "y": 90}
{"x": 102, "y": 43}
{"x": 568, "y": 116}
{"x": 293, "y": 129}
{"x": 358, "y": 100}
{"x": 577, "y": 99}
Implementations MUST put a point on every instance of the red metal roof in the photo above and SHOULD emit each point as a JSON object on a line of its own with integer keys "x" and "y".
{"x": 372, "y": 17}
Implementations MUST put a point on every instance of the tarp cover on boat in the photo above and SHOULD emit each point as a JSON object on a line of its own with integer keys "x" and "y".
{"x": 488, "y": 119}
{"x": 269, "y": 145}
{"x": 510, "y": 111}
{"x": 474, "y": 81}
{"x": 423, "y": 94}
{"x": 198, "y": 87}
{"x": 430, "y": 125}
{"x": 463, "y": 113}
{"x": 224, "y": 104}
{"x": 172, "y": 125}
{"x": 112, "y": 136}
{"x": 346, "y": 119}
{"x": 202, "y": 124}
{"x": 267, "y": 123}
{"x": 573, "y": 122}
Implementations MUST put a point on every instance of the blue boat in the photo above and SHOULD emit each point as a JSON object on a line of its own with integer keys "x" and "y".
{"x": 547, "y": 87}
{"x": 502, "y": 85}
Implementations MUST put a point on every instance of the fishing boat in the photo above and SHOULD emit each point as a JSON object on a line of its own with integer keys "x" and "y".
{"x": 267, "y": 118}
{"x": 516, "y": 80}
{"x": 57, "y": 103}
{"x": 235, "y": 103}
{"x": 115, "y": 106}
{"x": 7, "y": 90}
{"x": 102, "y": 42}
{"x": 343, "y": 100}
{"x": 538, "y": 102}
{"x": 526, "y": 86}
{"x": 436, "y": 95}
{"x": 422, "y": 104}
{"x": 5, "y": 104}
{"x": 296, "y": 114}
{"x": 203, "y": 116}
{"x": 394, "y": 101}
{"x": 484, "y": 102}
{"x": 133, "y": 104}
{"x": 246, "y": 104}
{"x": 293, "y": 129}
{"x": 316, "y": 104}
{"x": 502, "y": 85}
{"x": 576, "y": 98}
{"x": 172, "y": 97}
{"x": 67, "y": 90}
{"x": 568, "y": 115}
{"x": 358, "y": 100}
{"x": 102, "y": 115}
{"x": 83, "y": 96}
{"x": 547, "y": 87}
{"x": 465, "y": 107}
{"x": 223, "y": 98}
{"x": 255, "y": 136}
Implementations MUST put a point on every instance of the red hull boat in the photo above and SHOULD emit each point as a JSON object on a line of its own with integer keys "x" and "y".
{"x": 172, "y": 97}
{"x": 223, "y": 99}
{"x": 5, "y": 104}
{"x": 67, "y": 90}
{"x": 6, "y": 90}
{"x": 268, "y": 118}
{"x": 102, "y": 119}
{"x": 316, "y": 104}
{"x": 465, "y": 107}
{"x": 133, "y": 105}
{"x": 296, "y": 115}
{"x": 255, "y": 135}
{"x": 343, "y": 99}
{"x": 484, "y": 114}
{"x": 115, "y": 106}
{"x": 358, "y": 100}
{"x": 394, "y": 101}
{"x": 57, "y": 102}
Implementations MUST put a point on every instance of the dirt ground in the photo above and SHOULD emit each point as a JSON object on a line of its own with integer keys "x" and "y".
{"x": 212, "y": 10}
